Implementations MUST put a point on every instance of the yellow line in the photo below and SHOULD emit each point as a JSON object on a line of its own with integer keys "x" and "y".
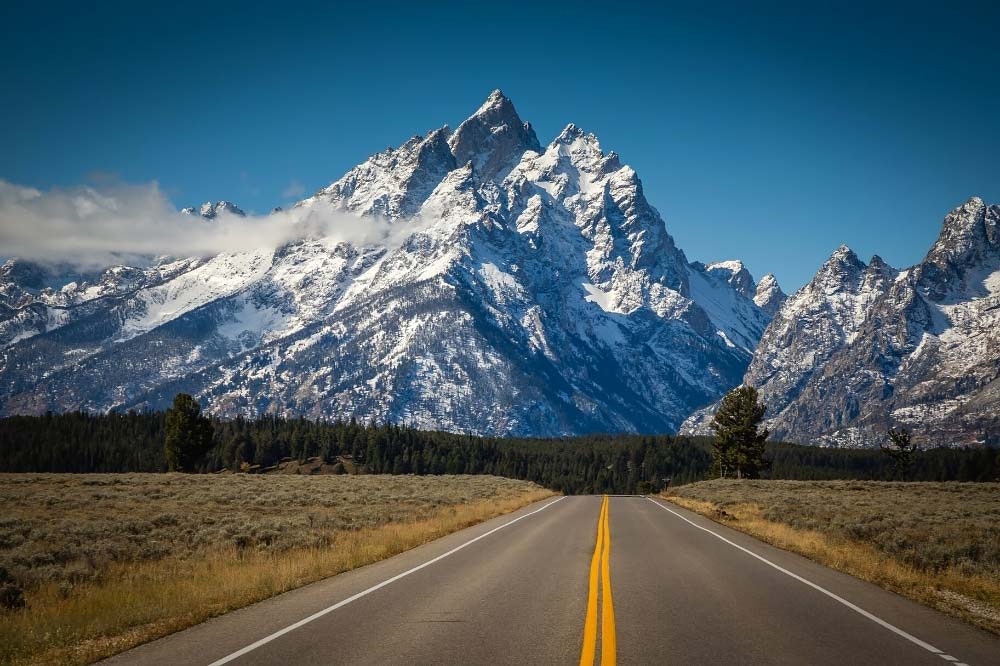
{"x": 589, "y": 650}
{"x": 608, "y": 640}
{"x": 600, "y": 577}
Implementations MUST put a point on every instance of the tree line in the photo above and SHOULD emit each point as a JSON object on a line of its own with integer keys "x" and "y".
{"x": 740, "y": 449}
{"x": 135, "y": 442}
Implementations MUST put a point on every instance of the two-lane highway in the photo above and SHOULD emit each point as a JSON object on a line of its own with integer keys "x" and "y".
{"x": 583, "y": 580}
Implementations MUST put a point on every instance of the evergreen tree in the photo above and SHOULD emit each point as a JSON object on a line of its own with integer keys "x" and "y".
{"x": 738, "y": 449}
{"x": 900, "y": 450}
{"x": 188, "y": 434}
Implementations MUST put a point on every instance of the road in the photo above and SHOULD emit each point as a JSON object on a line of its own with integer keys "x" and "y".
{"x": 627, "y": 580}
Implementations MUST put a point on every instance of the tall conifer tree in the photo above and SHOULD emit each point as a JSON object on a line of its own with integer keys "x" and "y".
{"x": 738, "y": 449}
{"x": 188, "y": 434}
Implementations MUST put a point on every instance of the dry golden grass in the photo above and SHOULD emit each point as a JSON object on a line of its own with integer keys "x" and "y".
{"x": 103, "y": 570}
{"x": 936, "y": 543}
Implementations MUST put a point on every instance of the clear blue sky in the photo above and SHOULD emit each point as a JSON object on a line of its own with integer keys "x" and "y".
{"x": 769, "y": 132}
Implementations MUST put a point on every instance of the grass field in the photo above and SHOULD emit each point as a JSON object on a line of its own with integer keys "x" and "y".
{"x": 937, "y": 543}
{"x": 108, "y": 561}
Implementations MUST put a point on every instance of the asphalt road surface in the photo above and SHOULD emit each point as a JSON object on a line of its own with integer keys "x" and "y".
{"x": 583, "y": 580}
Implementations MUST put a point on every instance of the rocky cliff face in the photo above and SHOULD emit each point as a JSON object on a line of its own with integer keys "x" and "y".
{"x": 768, "y": 295}
{"x": 523, "y": 290}
{"x": 865, "y": 347}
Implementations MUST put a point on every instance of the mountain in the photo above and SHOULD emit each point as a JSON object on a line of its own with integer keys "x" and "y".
{"x": 726, "y": 291}
{"x": 517, "y": 289}
{"x": 768, "y": 295}
{"x": 210, "y": 210}
{"x": 864, "y": 347}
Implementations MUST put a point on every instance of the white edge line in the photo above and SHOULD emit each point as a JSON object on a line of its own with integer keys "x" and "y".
{"x": 340, "y": 604}
{"x": 874, "y": 618}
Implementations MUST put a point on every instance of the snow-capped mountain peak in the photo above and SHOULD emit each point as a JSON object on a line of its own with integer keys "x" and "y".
{"x": 839, "y": 272}
{"x": 395, "y": 182}
{"x": 532, "y": 291}
{"x": 844, "y": 255}
{"x": 570, "y": 134}
{"x": 968, "y": 237}
{"x": 493, "y": 138}
{"x": 210, "y": 210}
{"x": 768, "y": 296}
{"x": 862, "y": 348}
{"x": 964, "y": 230}
{"x": 735, "y": 273}
{"x": 495, "y": 100}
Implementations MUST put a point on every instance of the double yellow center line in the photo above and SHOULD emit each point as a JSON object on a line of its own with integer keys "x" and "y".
{"x": 600, "y": 576}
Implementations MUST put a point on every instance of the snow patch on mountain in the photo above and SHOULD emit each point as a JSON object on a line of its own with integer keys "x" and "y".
{"x": 220, "y": 277}
{"x": 739, "y": 320}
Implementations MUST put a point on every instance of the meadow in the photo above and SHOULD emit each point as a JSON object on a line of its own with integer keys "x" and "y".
{"x": 108, "y": 561}
{"x": 937, "y": 543}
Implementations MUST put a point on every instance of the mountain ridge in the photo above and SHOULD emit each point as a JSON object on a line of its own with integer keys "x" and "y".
{"x": 531, "y": 290}
{"x": 864, "y": 347}
{"x": 510, "y": 287}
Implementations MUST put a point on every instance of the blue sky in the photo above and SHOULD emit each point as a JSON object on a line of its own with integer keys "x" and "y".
{"x": 764, "y": 131}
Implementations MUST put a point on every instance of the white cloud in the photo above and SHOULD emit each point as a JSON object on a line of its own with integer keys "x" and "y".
{"x": 92, "y": 227}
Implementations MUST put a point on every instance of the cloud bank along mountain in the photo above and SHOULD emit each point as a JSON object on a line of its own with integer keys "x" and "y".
{"x": 89, "y": 229}
{"x": 472, "y": 280}
{"x": 863, "y": 347}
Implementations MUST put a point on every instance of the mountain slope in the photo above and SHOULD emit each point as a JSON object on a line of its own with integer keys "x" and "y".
{"x": 522, "y": 289}
{"x": 862, "y": 348}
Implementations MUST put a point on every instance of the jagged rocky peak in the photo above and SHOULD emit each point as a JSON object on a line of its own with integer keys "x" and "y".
{"x": 768, "y": 296}
{"x": 865, "y": 347}
{"x": 842, "y": 270}
{"x": 963, "y": 231}
{"x": 393, "y": 183}
{"x": 968, "y": 238}
{"x": 573, "y": 164}
{"x": 582, "y": 150}
{"x": 736, "y": 274}
{"x": 878, "y": 268}
{"x": 576, "y": 180}
{"x": 493, "y": 138}
{"x": 210, "y": 210}
{"x": 836, "y": 288}
{"x": 876, "y": 280}
{"x": 844, "y": 256}
{"x": 571, "y": 133}
{"x": 877, "y": 263}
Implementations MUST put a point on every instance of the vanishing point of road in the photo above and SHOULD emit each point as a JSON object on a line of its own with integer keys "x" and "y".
{"x": 583, "y": 580}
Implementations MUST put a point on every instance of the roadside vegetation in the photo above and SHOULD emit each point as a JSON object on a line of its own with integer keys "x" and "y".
{"x": 103, "y": 562}
{"x": 94, "y": 563}
{"x": 937, "y": 543}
